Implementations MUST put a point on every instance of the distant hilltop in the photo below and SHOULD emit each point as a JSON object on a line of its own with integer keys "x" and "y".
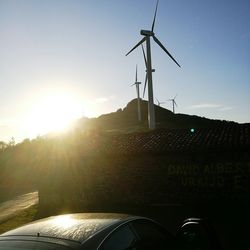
{"x": 125, "y": 120}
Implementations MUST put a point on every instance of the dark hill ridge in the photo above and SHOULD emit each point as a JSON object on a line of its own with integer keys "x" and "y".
{"x": 173, "y": 133}
{"x": 127, "y": 117}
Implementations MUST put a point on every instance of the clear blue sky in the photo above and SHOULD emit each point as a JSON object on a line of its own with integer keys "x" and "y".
{"x": 79, "y": 47}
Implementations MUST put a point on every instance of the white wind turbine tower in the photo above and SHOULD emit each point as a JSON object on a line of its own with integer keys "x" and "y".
{"x": 173, "y": 103}
{"x": 158, "y": 102}
{"x": 147, "y": 35}
{"x": 137, "y": 85}
{"x": 146, "y": 77}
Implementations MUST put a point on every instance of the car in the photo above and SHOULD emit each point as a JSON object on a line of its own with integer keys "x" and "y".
{"x": 102, "y": 231}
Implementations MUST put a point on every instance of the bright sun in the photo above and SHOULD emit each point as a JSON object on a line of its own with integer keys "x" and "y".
{"x": 53, "y": 112}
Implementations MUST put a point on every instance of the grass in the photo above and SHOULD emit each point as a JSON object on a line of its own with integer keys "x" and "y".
{"x": 20, "y": 219}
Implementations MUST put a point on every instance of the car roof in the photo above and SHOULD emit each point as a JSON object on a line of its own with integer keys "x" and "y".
{"x": 75, "y": 227}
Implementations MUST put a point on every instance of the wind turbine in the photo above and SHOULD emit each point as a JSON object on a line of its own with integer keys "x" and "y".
{"x": 137, "y": 85}
{"x": 173, "y": 102}
{"x": 158, "y": 102}
{"x": 147, "y": 35}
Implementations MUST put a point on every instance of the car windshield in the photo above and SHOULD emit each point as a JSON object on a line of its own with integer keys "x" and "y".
{"x": 27, "y": 245}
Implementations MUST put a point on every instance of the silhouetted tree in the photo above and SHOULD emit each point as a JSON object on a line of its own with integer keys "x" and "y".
{"x": 12, "y": 142}
{"x": 3, "y": 145}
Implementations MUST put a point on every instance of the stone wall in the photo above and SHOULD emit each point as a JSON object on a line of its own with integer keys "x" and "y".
{"x": 104, "y": 181}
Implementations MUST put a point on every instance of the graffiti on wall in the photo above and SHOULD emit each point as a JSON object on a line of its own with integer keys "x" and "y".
{"x": 229, "y": 177}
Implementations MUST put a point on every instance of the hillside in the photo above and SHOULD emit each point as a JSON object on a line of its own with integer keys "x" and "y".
{"x": 119, "y": 135}
{"x": 126, "y": 119}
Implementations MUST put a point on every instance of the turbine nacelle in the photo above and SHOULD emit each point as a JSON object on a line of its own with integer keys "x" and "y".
{"x": 152, "y": 70}
{"x": 147, "y": 33}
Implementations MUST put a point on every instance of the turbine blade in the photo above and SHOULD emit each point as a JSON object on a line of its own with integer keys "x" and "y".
{"x": 153, "y": 24}
{"x": 145, "y": 84}
{"x": 144, "y": 55}
{"x": 175, "y": 103}
{"x": 175, "y": 96}
{"x": 142, "y": 40}
{"x": 157, "y": 100}
{"x": 132, "y": 84}
{"x": 160, "y": 44}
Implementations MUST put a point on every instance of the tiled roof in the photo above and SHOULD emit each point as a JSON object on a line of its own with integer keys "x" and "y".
{"x": 227, "y": 137}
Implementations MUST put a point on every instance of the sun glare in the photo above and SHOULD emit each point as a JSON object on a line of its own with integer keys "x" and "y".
{"x": 53, "y": 113}
{"x": 64, "y": 221}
